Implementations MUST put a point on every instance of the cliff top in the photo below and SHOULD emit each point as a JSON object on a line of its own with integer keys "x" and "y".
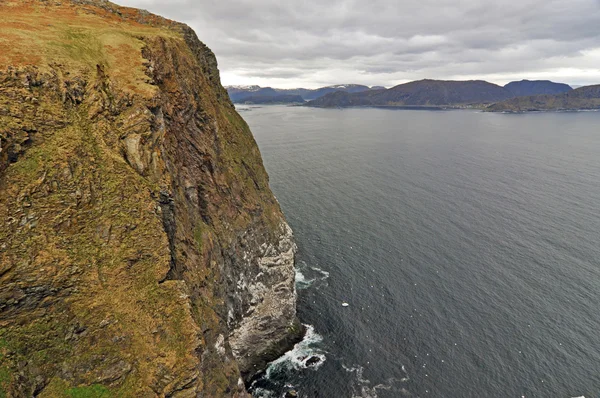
{"x": 78, "y": 35}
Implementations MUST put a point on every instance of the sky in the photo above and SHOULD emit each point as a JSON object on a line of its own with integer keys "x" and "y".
{"x": 315, "y": 43}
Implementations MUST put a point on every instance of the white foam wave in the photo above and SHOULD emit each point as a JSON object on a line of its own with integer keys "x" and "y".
{"x": 262, "y": 393}
{"x": 325, "y": 274}
{"x": 301, "y": 355}
{"x": 363, "y": 388}
{"x": 314, "y": 274}
{"x": 302, "y": 282}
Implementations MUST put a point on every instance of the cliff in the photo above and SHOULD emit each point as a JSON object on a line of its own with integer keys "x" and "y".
{"x": 583, "y": 98}
{"x": 142, "y": 252}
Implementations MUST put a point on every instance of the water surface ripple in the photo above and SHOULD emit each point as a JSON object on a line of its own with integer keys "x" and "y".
{"x": 466, "y": 245}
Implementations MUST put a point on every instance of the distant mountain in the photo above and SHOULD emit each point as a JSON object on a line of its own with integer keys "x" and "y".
{"x": 272, "y": 99}
{"x": 584, "y": 98}
{"x": 240, "y": 94}
{"x": 244, "y": 87}
{"x": 423, "y": 93}
{"x": 536, "y": 87}
{"x": 346, "y": 88}
{"x": 303, "y": 92}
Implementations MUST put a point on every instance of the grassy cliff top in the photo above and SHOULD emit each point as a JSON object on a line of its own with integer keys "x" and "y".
{"x": 78, "y": 35}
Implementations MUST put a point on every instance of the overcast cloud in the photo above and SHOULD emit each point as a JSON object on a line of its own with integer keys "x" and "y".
{"x": 315, "y": 43}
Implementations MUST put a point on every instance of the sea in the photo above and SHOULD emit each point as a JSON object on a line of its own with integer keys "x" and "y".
{"x": 441, "y": 253}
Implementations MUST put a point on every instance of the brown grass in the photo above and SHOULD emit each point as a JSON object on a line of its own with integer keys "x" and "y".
{"x": 79, "y": 38}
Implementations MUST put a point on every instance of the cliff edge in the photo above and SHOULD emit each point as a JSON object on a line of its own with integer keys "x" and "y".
{"x": 142, "y": 252}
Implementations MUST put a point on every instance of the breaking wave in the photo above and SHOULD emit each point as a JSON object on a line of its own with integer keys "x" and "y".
{"x": 363, "y": 388}
{"x": 306, "y": 355}
{"x": 306, "y": 275}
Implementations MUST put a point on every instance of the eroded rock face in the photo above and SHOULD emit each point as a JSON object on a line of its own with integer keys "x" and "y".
{"x": 142, "y": 252}
{"x": 263, "y": 304}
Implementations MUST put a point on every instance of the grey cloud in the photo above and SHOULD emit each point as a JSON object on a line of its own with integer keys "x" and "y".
{"x": 311, "y": 42}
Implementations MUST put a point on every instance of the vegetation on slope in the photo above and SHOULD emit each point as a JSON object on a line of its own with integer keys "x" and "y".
{"x": 127, "y": 182}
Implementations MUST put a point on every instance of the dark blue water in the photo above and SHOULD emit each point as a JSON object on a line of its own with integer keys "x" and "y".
{"x": 466, "y": 244}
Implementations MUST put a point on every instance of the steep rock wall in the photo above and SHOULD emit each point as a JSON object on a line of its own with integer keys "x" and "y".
{"x": 142, "y": 252}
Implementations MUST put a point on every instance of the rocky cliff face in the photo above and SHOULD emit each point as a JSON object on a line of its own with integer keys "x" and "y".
{"x": 142, "y": 252}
